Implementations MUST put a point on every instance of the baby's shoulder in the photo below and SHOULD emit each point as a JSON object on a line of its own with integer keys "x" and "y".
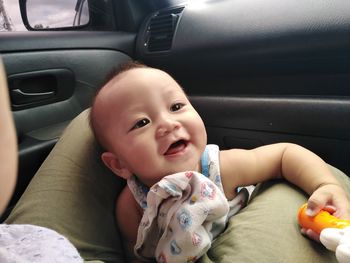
{"x": 128, "y": 216}
{"x": 126, "y": 201}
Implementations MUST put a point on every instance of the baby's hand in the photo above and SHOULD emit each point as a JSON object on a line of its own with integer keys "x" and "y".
{"x": 331, "y": 198}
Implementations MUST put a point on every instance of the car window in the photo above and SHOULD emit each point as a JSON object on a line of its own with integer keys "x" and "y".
{"x": 57, "y": 14}
{"x": 44, "y": 14}
{"x": 10, "y": 16}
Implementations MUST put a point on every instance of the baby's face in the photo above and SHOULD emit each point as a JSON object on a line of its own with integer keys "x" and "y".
{"x": 155, "y": 130}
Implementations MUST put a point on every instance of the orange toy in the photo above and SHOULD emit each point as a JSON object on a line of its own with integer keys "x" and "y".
{"x": 320, "y": 221}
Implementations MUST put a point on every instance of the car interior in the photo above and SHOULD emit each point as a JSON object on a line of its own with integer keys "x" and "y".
{"x": 258, "y": 72}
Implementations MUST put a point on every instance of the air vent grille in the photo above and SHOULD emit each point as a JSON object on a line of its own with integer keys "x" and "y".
{"x": 161, "y": 29}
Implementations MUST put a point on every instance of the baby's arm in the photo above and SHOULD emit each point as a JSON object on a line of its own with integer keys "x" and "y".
{"x": 292, "y": 162}
{"x": 128, "y": 215}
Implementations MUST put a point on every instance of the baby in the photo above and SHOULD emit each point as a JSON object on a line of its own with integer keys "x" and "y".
{"x": 149, "y": 129}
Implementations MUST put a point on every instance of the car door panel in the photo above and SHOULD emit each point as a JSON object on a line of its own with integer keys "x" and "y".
{"x": 270, "y": 114}
{"x": 249, "y": 122}
{"x": 270, "y": 75}
{"x": 50, "y": 84}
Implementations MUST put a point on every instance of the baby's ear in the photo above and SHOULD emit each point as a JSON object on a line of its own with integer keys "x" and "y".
{"x": 116, "y": 165}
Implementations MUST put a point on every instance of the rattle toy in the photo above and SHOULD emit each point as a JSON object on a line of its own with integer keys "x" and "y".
{"x": 334, "y": 232}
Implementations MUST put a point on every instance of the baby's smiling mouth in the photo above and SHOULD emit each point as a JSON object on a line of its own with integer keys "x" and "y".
{"x": 176, "y": 147}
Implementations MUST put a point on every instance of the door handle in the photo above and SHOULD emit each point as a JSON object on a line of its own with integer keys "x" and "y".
{"x": 36, "y": 88}
{"x": 20, "y": 97}
{"x": 23, "y": 94}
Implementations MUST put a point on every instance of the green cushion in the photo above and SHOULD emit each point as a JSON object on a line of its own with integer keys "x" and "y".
{"x": 74, "y": 194}
{"x": 267, "y": 229}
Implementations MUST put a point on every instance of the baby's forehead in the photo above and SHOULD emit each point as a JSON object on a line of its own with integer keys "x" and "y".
{"x": 144, "y": 78}
{"x": 141, "y": 73}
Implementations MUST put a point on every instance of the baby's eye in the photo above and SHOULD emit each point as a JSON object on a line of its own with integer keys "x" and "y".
{"x": 176, "y": 106}
{"x": 140, "y": 124}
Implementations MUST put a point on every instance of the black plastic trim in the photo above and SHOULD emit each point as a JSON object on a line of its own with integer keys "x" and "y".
{"x": 32, "y": 41}
{"x": 219, "y": 35}
{"x": 319, "y": 117}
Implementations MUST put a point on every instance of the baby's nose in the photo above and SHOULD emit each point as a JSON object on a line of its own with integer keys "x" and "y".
{"x": 167, "y": 126}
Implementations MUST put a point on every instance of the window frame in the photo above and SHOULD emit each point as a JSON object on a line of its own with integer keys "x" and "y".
{"x": 101, "y": 17}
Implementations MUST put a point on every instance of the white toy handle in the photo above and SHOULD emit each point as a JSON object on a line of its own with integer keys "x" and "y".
{"x": 337, "y": 240}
